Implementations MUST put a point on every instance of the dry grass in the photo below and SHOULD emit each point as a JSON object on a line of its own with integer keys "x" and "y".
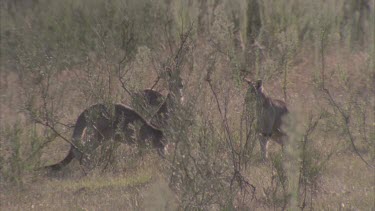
{"x": 138, "y": 189}
{"x": 346, "y": 182}
{"x": 140, "y": 182}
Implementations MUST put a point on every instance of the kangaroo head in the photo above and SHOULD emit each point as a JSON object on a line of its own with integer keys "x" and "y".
{"x": 255, "y": 87}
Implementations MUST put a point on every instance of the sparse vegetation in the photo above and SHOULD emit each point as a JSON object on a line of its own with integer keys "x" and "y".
{"x": 60, "y": 57}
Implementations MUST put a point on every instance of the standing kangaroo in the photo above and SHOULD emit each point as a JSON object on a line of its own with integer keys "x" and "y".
{"x": 269, "y": 114}
{"x": 109, "y": 122}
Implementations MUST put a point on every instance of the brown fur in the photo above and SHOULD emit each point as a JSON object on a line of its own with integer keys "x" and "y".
{"x": 270, "y": 113}
{"x": 99, "y": 123}
{"x": 152, "y": 100}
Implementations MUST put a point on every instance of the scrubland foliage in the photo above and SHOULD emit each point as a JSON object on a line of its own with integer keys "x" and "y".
{"x": 59, "y": 57}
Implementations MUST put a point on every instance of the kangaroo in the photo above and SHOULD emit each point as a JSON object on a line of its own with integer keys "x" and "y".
{"x": 163, "y": 106}
{"x": 269, "y": 113}
{"x": 147, "y": 102}
{"x": 107, "y": 122}
{"x": 98, "y": 123}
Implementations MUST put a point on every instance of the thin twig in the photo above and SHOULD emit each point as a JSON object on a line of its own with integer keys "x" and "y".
{"x": 57, "y": 133}
{"x": 155, "y": 83}
{"x": 347, "y": 128}
{"x": 237, "y": 176}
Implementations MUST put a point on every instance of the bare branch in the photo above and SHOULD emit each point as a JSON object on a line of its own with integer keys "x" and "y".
{"x": 346, "y": 119}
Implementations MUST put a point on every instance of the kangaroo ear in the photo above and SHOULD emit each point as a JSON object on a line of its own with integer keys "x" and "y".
{"x": 248, "y": 81}
{"x": 258, "y": 84}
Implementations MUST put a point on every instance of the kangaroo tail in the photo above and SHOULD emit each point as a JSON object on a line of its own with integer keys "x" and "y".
{"x": 77, "y": 133}
{"x": 63, "y": 163}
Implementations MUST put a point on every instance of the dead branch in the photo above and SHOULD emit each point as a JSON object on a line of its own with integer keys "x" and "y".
{"x": 346, "y": 119}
